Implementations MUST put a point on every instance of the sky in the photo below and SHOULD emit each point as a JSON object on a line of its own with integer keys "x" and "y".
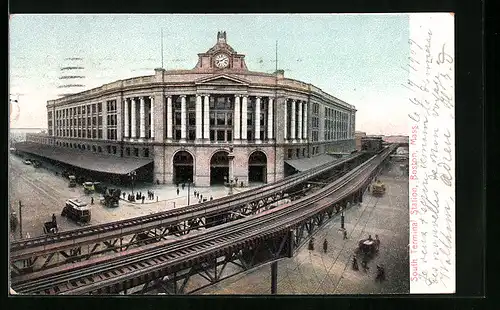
{"x": 356, "y": 58}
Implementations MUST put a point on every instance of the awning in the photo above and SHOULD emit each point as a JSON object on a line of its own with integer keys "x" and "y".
{"x": 84, "y": 159}
{"x": 304, "y": 164}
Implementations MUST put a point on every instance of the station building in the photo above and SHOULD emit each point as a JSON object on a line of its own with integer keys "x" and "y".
{"x": 216, "y": 122}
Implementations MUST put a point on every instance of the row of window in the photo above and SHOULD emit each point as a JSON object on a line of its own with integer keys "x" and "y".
{"x": 299, "y": 152}
{"x": 110, "y": 149}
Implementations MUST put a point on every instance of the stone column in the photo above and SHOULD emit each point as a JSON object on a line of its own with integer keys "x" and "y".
{"x": 104, "y": 120}
{"x": 293, "y": 122}
{"x": 206, "y": 119}
{"x": 237, "y": 117}
{"x": 152, "y": 113}
{"x": 120, "y": 106}
{"x": 257, "y": 119}
{"x": 299, "y": 131}
{"x": 158, "y": 117}
{"x": 305, "y": 125}
{"x": 244, "y": 110}
{"x": 270, "y": 123}
{"x": 183, "y": 117}
{"x": 134, "y": 119}
{"x": 199, "y": 121}
{"x": 285, "y": 133}
{"x": 142, "y": 119}
{"x": 169, "y": 117}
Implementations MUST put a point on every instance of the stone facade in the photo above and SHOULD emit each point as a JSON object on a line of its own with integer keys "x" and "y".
{"x": 219, "y": 105}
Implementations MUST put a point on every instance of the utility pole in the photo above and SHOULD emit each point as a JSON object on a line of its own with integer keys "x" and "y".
{"x": 20, "y": 220}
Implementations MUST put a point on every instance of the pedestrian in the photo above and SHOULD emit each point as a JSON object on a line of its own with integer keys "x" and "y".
{"x": 311, "y": 244}
{"x": 201, "y": 197}
{"x": 345, "y": 234}
{"x": 156, "y": 198}
{"x": 177, "y": 191}
{"x": 355, "y": 263}
{"x": 183, "y": 185}
{"x": 370, "y": 237}
{"x": 91, "y": 200}
{"x": 53, "y": 218}
{"x": 124, "y": 195}
{"x": 211, "y": 197}
{"x": 325, "y": 245}
{"x": 143, "y": 197}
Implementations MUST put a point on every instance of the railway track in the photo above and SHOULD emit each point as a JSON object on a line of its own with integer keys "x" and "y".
{"x": 95, "y": 274}
{"x": 27, "y": 248}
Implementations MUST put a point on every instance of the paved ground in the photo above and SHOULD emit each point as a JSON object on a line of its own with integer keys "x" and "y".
{"x": 316, "y": 272}
{"x": 43, "y": 193}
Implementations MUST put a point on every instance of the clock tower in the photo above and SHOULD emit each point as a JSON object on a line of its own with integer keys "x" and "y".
{"x": 220, "y": 57}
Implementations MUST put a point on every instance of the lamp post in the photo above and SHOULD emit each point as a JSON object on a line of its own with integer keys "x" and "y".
{"x": 132, "y": 176}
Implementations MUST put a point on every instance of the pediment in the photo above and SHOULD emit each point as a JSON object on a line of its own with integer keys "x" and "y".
{"x": 223, "y": 79}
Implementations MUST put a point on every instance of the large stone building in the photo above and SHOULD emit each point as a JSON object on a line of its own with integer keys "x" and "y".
{"x": 215, "y": 122}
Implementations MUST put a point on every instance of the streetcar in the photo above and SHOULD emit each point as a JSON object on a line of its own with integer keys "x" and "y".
{"x": 76, "y": 210}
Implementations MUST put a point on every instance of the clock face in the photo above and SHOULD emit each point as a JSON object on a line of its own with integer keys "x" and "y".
{"x": 221, "y": 61}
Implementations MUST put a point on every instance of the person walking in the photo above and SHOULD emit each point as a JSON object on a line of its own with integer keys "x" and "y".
{"x": 325, "y": 245}
{"x": 143, "y": 197}
{"x": 91, "y": 200}
{"x": 355, "y": 263}
{"x": 177, "y": 191}
{"x": 344, "y": 232}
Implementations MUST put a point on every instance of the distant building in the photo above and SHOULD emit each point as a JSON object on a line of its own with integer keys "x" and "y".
{"x": 357, "y": 137}
{"x": 215, "y": 122}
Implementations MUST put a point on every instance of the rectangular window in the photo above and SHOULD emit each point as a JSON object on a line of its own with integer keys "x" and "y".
{"x": 212, "y": 118}
{"x": 220, "y": 119}
{"x": 191, "y": 134}
{"x": 177, "y": 118}
{"x": 297, "y": 152}
{"x": 177, "y": 134}
{"x": 262, "y": 119}
{"x": 192, "y": 118}
{"x": 114, "y": 149}
{"x": 146, "y": 152}
{"x": 220, "y": 135}
{"x": 212, "y": 135}
{"x": 229, "y": 117}
{"x": 249, "y": 119}
{"x": 289, "y": 154}
{"x": 249, "y": 135}
{"x": 99, "y": 121}
{"x": 99, "y": 134}
{"x": 136, "y": 152}
{"x": 99, "y": 107}
{"x": 127, "y": 151}
{"x": 229, "y": 134}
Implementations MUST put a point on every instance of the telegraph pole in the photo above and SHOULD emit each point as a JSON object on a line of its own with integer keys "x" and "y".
{"x": 20, "y": 220}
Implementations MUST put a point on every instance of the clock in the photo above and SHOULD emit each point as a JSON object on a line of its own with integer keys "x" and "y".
{"x": 221, "y": 61}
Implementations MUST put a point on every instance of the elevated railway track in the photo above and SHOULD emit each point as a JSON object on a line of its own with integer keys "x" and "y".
{"x": 247, "y": 242}
{"x": 33, "y": 254}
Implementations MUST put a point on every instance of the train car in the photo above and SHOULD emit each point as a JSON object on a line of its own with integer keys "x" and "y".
{"x": 371, "y": 144}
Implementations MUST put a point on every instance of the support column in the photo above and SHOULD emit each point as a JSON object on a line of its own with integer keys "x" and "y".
{"x": 169, "y": 117}
{"x": 299, "y": 131}
{"x": 237, "y": 117}
{"x": 305, "y": 125}
{"x": 127, "y": 124}
{"x": 142, "y": 119}
{"x": 183, "y": 117}
{"x": 293, "y": 122}
{"x": 257, "y": 120}
{"x": 152, "y": 113}
{"x": 199, "y": 120}
{"x": 133, "y": 119}
{"x": 244, "y": 110}
{"x": 206, "y": 119}
{"x": 270, "y": 118}
{"x": 285, "y": 135}
{"x": 274, "y": 277}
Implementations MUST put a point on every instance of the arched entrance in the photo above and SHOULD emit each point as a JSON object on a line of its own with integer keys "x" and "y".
{"x": 257, "y": 167}
{"x": 219, "y": 168}
{"x": 183, "y": 167}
